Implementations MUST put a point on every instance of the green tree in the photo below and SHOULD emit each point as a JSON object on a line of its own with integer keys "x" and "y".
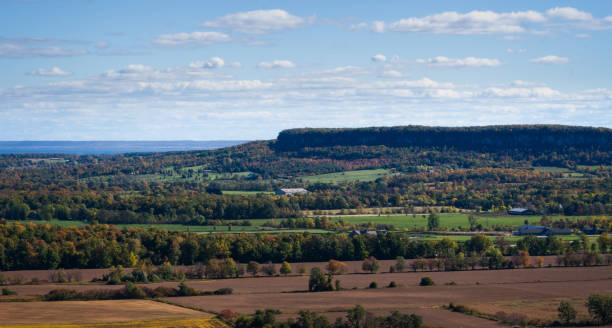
{"x": 253, "y": 268}
{"x": 566, "y": 311}
{"x": 355, "y": 317}
{"x": 318, "y": 281}
{"x": 600, "y": 308}
{"x": 285, "y": 268}
{"x": 473, "y": 220}
{"x": 603, "y": 241}
{"x": 400, "y": 264}
{"x": 370, "y": 264}
{"x": 433, "y": 221}
{"x": 478, "y": 243}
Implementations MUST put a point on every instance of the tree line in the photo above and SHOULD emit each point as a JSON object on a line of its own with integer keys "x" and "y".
{"x": 44, "y": 246}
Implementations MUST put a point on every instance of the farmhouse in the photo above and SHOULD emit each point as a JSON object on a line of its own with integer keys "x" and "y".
{"x": 366, "y": 232}
{"x": 291, "y": 191}
{"x": 520, "y": 211}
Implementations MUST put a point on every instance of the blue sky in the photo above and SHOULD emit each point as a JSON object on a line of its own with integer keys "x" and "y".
{"x": 174, "y": 70}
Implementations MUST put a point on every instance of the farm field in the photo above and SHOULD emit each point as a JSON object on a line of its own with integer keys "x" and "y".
{"x": 255, "y": 227}
{"x": 400, "y": 222}
{"x": 447, "y": 220}
{"x": 472, "y": 289}
{"x": 357, "y": 175}
{"x": 533, "y": 292}
{"x": 244, "y": 192}
{"x": 355, "y": 277}
{"x": 170, "y": 174}
{"x": 83, "y": 313}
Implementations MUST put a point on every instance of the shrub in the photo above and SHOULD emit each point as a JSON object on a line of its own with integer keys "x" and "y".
{"x": 115, "y": 275}
{"x": 184, "y": 290}
{"x": 253, "y": 268}
{"x": 392, "y": 284}
{"x": 337, "y": 285}
{"x": 227, "y": 314}
{"x": 426, "y": 281}
{"x": 58, "y": 276}
{"x": 161, "y": 292}
{"x": 373, "y": 284}
{"x": 165, "y": 271}
{"x": 600, "y": 308}
{"x": 400, "y": 264}
{"x": 460, "y": 308}
{"x": 101, "y": 294}
{"x": 62, "y": 295}
{"x": 133, "y": 291}
{"x": 268, "y": 269}
{"x": 512, "y": 318}
{"x": 224, "y": 268}
{"x": 285, "y": 268}
{"x": 567, "y": 312}
{"x": 7, "y": 291}
{"x": 370, "y": 264}
{"x": 224, "y": 291}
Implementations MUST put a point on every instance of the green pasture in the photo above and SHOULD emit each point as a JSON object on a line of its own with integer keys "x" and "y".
{"x": 567, "y": 174}
{"x": 255, "y": 227}
{"x": 192, "y": 173}
{"x": 358, "y": 175}
{"x": 244, "y": 192}
{"x": 447, "y": 220}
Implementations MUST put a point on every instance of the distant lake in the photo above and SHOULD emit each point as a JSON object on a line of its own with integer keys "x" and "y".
{"x": 109, "y": 147}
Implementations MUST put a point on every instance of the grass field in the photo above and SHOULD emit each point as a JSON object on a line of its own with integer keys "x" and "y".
{"x": 192, "y": 173}
{"x": 449, "y": 220}
{"x": 244, "y": 192}
{"x": 567, "y": 174}
{"x": 400, "y": 222}
{"x": 359, "y": 175}
{"x": 114, "y": 313}
{"x": 255, "y": 227}
{"x": 175, "y": 323}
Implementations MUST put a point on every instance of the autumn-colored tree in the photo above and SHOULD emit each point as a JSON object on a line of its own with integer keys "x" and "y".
{"x": 336, "y": 267}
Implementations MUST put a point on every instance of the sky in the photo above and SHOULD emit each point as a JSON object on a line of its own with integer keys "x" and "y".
{"x": 245, "y": 70}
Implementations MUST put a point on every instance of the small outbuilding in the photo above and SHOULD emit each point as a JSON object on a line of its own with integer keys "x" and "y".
{"x": 520, "y": 211}
{"x": 291, "y": 191}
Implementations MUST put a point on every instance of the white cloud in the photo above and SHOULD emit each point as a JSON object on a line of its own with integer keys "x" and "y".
{"x": 181, "y": 103}
{"x": 54, "y": 71}
{"x": 473, "y": 22}
{"x": 583, "y": 36}
{"x": 550, "y": 59}
{"x": 236, "y": 65}
{"x": 490, "y": 22}
{"x": 197, "y": 38}
{"x": 259, "y": 21}
{"x": 392, "y": 74}
{"x": 276, "y": 64}
{"x": 215, "y": 62}
{"x": 379, "y": 58}
{"x": 518, "y": 51}
{"x": 569, "y": 13}
{"x": 441, "y": 61}
{"x": 537, "y": 92}
{"x": 9, "y": 50}
{"x": 101, "y": 45}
